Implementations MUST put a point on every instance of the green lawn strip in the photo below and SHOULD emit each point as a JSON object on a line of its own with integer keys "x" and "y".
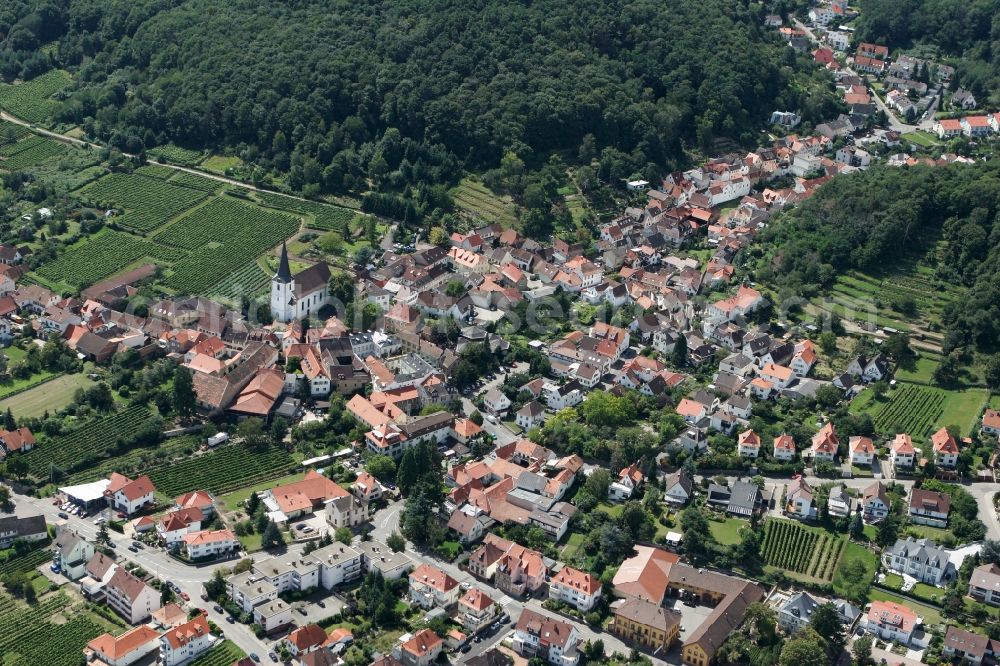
{"x": 726, "y": 532}
{"x": 851, "y": 552}
{"x": 50, "y": 396}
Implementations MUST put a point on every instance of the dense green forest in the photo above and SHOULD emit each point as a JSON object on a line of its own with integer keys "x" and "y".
{"x": 345, "y": 95}
{"x": 873, "y": 219}
{"x": 968, "y": 30}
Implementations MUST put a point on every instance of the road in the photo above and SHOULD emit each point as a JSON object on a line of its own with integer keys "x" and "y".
{"x": 386, "y": 521}
{"x": 188, "y": 578}
{"x": 894, "y": 123}
{"x": 80, "y": 143}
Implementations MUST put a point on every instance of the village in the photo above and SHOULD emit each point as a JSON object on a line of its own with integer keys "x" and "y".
{"x": 495, "y": 449}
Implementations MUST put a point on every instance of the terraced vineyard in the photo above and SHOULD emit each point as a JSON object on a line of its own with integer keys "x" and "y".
{"x": 317, "y": 215}
{"x": 912, "y": 409}
{"x": 29, "y": 637}
{"x": 28, "y": 152}
{"x": 31, "y": 100}
{"x": 482, "y": 205}
{"x": 222, "y": 471}
{"x": 792, "y": 547}
{"x": 225, "y": 235}
{"x": 249, "y": 281}
{"x": 18, "y": 620}
{"x": 101, "y": 255}
{"x": 149, "y": 201}
{"x": 87, "y": 443}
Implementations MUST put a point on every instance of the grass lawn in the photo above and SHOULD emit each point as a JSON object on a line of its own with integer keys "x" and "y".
{"x": 895, "y": 581}
{"x": 613, "y": 510}
{"x": 853, "y": 552}
{"x": 384, "y": 642}
{"x": 727, "y": 532}
{"x": 53, "y": 395}
{"x": 219, "y": 163}
{"x": 572, "y": 545}
{"x": 929, "y": 614}
{"x": 252, "y": 542}
{"x": 921, "y": 138}
{"x": 231, "y": 500}
{"x": 927, "y": 532}
{"x": 922, "y": 373}
{"x": 962, "y": 408}
{"x": 450, "y": 549}
{"x": 870, "y": 531}
{"x": 861, "y": 401}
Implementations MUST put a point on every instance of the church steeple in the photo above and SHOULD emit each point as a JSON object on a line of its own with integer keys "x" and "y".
{"x": 284, "y": 273}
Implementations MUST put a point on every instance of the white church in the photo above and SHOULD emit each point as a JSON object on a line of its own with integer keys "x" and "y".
{"x": 299, "y": 296}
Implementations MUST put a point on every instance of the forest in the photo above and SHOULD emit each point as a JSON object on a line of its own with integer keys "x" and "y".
{"x": 966, "y": 30}
{"x": 873, "y": 220}
{"x": 345, "y": 96}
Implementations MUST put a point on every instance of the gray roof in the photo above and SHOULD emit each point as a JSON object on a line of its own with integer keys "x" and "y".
{"x": 744, "y": 498}
{"x": 801, "y": 606}
{"x": 925, "y": 550}
{"x": 23, "y": 527}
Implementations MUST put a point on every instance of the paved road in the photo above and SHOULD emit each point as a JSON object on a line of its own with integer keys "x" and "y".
{"x": 157, "y": 562}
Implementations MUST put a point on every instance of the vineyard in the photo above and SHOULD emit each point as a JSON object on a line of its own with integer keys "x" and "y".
{"x": 223, "y": 470}
{"x": 12, "y": 132}
{"x": 101, "y": 255}
{"x": 225, "y": 235}
{"x": 31, "y": 100}
{"x": 912, "y": 409}
{"x": 29, "y": 152}
{"x": 222, "y": 654}
{"x": 249, "y": 281}
{"x": 176, "y": 155}
{"x": 479, "y": 203}
{"x": 793, "y": 548}
{"x": 318, "y": 216}
{"x": 193, "y": 181}
{"x": 24, "y": 563}
{"x": 28, "y": 637}
{"x": 149, "y": 201}
{"x": 86, "y": 443}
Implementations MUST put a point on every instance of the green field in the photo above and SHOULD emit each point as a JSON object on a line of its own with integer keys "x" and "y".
{"x": 852, "y": 552}
{"x": 175, "y": 155}
{"x": 32, "y": 100}
{"x": 921, "y": 410}
{"x": 477, "y": 202}
{"x": 922, "y": 139}
{"x": 51, "y": 396}
{"x": 220, "y": 163}
{"x": 794, "y": 548}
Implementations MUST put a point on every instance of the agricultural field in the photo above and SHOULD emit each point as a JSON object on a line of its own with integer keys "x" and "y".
{"x": 12, "y": 132}
{"x": 221, "y": 163}
{"x": 103, "y": 254}
{"x": 175, "y": 155}
{"x": 31, "y": 100}
{"x": 25, "y": 563}
{"x": 223, "y": 654}
{"x": 249, "y": 281}
{"x": 193, "y": 181}
{"x": 28, "y": 152}
{"x": 149, "y": 201}
{"x": 224, "y": 235}
{"x": 222, "y": 471}
{"x": 138, "y": 461}
{"x": 792, "y": 547}
{"x": 478, "y": 203}
{"x": 48, "y": 632}
{"x": 316, "y": 215}
{"x": 920, "y": 410}
{"x": 87, "y": 443}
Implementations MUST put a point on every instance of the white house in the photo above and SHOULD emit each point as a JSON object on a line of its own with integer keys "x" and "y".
{"x": 629, "y": 479}
{"x": 71, "y": 553}
{"x": 875, "y": 502}
{"x": 749, "y": 444}
{"x": 272, "y": 615}
{"x": 784, "y": 448}
{"x": 838, "y": 503}
{"x": 777, "y": 375}
{"x": 579, "y": 589}
{"x": 861, "y": 451}
{"x": 475, "y": 610}
{"x": 891, "y": 621}
{"x": 552, "y": 640}
{"x": 496, "y": 401}
{"x": 901, "y": 452}
{"x": 921, "y": 559}
{"x": 126, "y": 649}
{"x": 799, "y": 499}
{"x": 210, "y": 543}
{"x": 432, "y": 588}
{"x": 185, "y": 642}
{"x": 530, "y": 415}
{"x": 945, "y": 449}
{"x": 825, "y": 443}
{"x": 130, "y": 597}
{"x": 130, "y": 495}
{"x": 250, "y": 589}
{"x": 560, "y": 397}
{"x": 679, "y": 488}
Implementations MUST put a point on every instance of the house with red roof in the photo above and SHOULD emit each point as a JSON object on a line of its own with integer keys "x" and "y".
{"x": 21, "y": 440}
{"x": 432, "y": 588}
{"x": 130, "y": 495}
{"x": 860, "y": 451}
{"x": 945, "y": 449}
{"x": 577, "y": 588}
{"x": 420, "y": 649}
{"x": 209, "y": 543}
{"x": 629, "y": 480}
{"x": 125, "y": 649}
{"x": 476, "y": 609}
{"x": 825, "y": 443}
{"x": 305, "y": 639}
{"x": 784, "y": 448}
{"x": 902, "y": 452}
{"x": 948, "y": 128}
{"x": 748, "y": 444}
{"x": 891, "y": 621}
{"x": 185, "y": 642}
{"x": 302, "y": 497}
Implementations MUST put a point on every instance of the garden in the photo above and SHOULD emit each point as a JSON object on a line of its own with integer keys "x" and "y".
{"x": 792, "y": 547}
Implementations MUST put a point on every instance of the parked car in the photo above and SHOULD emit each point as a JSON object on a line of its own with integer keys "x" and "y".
{"x": 63, "y": 515}
{"x": 217, "y": 608}
{"x": 253, "y": 655}
{"x": 273, "y": 656}
{"x": 133, "y": 549}
{"x": 321, "y": 603}
{"x": 302, "y": 610}
{"x": 230, "y": 619}
{"x": 185, "y": 596}
{"x": 137, "y": 544}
